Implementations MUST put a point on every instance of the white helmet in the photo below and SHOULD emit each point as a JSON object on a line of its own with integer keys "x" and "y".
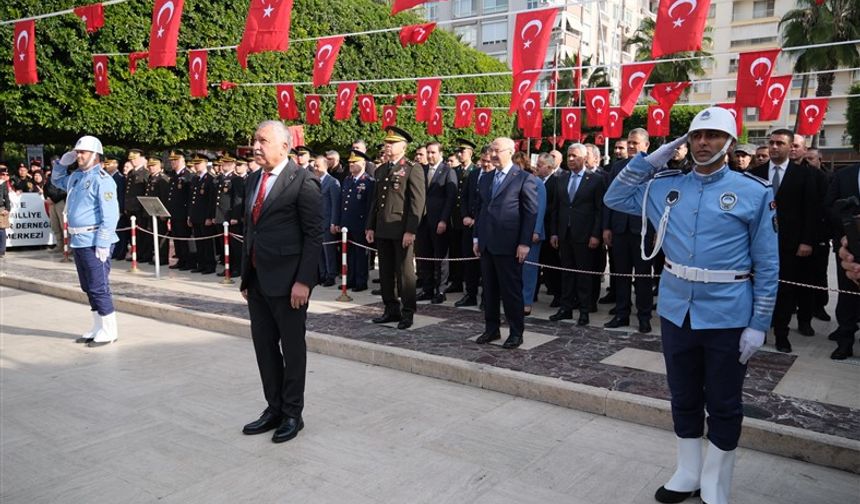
{"x": 89, "y": 143}
{"x": 717, "y": 119}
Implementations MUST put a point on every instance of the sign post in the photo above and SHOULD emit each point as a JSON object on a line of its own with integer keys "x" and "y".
{"x": 155, "y": 208}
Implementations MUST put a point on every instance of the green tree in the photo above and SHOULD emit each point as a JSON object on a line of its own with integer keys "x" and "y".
{"x": 675, "y": 71}
{"x": 591, "y": 77}
{"x": 853, "y": 116}
{"x": 153, "y": 108}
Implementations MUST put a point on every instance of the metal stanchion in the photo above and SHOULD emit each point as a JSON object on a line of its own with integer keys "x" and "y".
{"x": 227, "y": 279}
{"x": 343, "y": 270}
{"x": 65, "y": 239}
{"x": 134, "y": 245}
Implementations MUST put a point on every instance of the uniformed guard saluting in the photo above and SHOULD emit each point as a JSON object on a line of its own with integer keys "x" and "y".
{"x": 398, "y": 206}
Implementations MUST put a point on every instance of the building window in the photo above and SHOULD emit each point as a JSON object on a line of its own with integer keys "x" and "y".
{"x": 702, "y": 87}
{"x": 464, "y": 8}
{"x": 822, "y": 138}
{"x": 494, "y": 33}
{"x": 762, "y": 8}
{"x": 730, "y": 94}
{"x": 431, "y": 11}
{"x": 733, "y": 65}
{"x": 846, "y": 138}
{"x": 712, "y": 11}
{"x": 757, "y": 136}
{"x": 491, "y": 6}
{"x": 753, "y": 41}
{"x": 750, "y": 114}
{"x": 793, "y": 106}
{"x": 468, "y": 34}
{"x": 534, "y": 4}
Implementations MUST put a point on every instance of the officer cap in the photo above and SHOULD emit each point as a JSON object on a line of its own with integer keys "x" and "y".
{"x": 463, "y": 144}
{"x": 227, "y": 158}
{"x": 294, "y": 152}
{"x": 198, "y": 159}
{"x": 302, "y": 149}
{"x": 356, "y": 156}
{"x": 177, "y": 154}
{"x": 747, "y": 149}
{"x": 134, "y": 153}
{"x": 394, "y": 134}
{"x": 110, "y": 162}
{"x": 36, "y": 162}
{"x": 153, "y": 162}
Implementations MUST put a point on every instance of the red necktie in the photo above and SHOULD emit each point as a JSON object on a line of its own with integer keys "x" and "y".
{"x": 261, "y": 195}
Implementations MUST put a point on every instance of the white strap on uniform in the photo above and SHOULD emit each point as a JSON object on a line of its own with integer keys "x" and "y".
{"x": 661, "y": 227}
{"x": 82, "y": 230}
{"x": 692, "y": 274}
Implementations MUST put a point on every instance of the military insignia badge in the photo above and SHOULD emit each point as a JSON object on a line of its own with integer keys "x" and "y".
{"x": 108, "y": 196}
{"x": 226, "y": 188}
{"x": 401, "y": 173}
{"x": 672, "y": 197}
{"x": 396, "y": 186}
{"x": 202, "y": 191}
{"x": 87, "y": 185}
{"x": 728, "y": 200}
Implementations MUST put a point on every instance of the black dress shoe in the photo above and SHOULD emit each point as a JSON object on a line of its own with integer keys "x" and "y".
{"x": 288, "y": 429}
{"x": 185, "y": 268}
{"x": 512, "y": 342}
{"x": 267, "y": 421}
{"x": 562, "y": 315}
{"x": 466, "y": 300}
{"x": 820, "y": 314}
{"x": 593, "y": 308}
{"x": 583, "y": 319}
{"x": 405, "y": 322}
{"x": 782, "y": 344}
{"x": 806, "y": 329}
{"x": 556, "y": 302}
{"x": 487, "y": 337}
{"x": 196, "y": 270}
{"x": 376, "y": 292}
{"x": 644, "y": 326}
{"x": 361, "y": 288}
{"x": 387, "y": 317}
{"x": 207, "y": 271}
{"x": 609, "y": 298}
{"x": 328, "y": 283}
{"x": 438, "y": 299}
{"x": 842, "y": 352}
{"x": 834, "y": 336}
{"x": 375, "y": 280}
{"x": 613, "y": 311}
{"x": 175, "y": 266}
{"x": 220, "y": 274}
{"x": 424, "y": 296}
{"x": 617, "y": 322}
{"x": 673, "y": 497}
{"x": 454, "y": 289}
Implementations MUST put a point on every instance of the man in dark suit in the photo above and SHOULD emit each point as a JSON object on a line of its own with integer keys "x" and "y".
{"x": 576, "y": 229}
{"x": 283, "y": 237}
{"x": 471, "y": 208}
{"x": 508, "y": 204}
{"x": 201, "y": 216}
{"x": 398, "y": 205}
{"x": 178, "y": 200}
{"x": 237, "y": 217}
{"x": 330, "y": 207}
{"x": 821, "y": 250}
{"x": 549, "y": 174}
{"x": 432, "y": 239}
{"x": 797, "y": 216}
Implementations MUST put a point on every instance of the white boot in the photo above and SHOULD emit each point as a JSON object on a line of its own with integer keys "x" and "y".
{"x": 717, "y": 475}
{"x": 108, "y": 332}
{"x": 685, "y": 482}
{"x": 89, "y": 335}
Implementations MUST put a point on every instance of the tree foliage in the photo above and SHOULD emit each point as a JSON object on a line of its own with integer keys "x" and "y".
{"x": 853, "y": 116}
{"x": 675, "y": 71}
{"x": 154, "y": 109}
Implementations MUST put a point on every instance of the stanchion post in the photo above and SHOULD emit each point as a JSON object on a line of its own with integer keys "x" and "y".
{"x": 227, "y": 279}
{"x": 343, "y": 269}
{"x": 155, "y": 247}
{"x": 134, "y": 245}
{"x": 65, "y": 239}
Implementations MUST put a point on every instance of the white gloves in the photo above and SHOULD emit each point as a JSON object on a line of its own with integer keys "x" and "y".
{"x": 664, "y": 153}
{"x": 102, "y": 253}
{"x": 751, "y": 341}
{"x": 68, "y": 158}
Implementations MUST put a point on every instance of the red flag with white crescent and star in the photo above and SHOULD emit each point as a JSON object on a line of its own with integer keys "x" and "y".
{"x": 93, "y": 15}
{"x": 571, "y": 123}
{"x": 464, "y": 107}
{"x": 633, "y": 78}
{"x": 100, "y": 75}
{"x": 754, "y": 69}
{"x": 529, "y": 112}
{"x": 326, "y": 54}
{"x": 198, "y": 68}
{"x": 532, "y": 32}
{"x": 367, "y": 109}
{"x": 434, "y": 125}
{"x": 774, "y": 96}
{"x": 267, "y": 28}
{"x": 680, "y": 26}
{"x": 483, "y": 121}
{"x": 614, "y": 127}
{"x": 596, "y": 106}
{"x": 287, "y": 108}
{"x": 811, "y": 112}
{"x": 166, "y": 18}
{"x": 427, "y": 99}
{"x": 522, "y": 86}
{"x": 389, "y": 116}
{"x": 401, "y": 5}
{"x": 345, "y": 97}
{"x": 24, "y": 53}
{"x": 552, "y": 93}
{"x": 738, "y": 113}
{"x": 416, "y": 34}
{"x": 312, "y": 109}
{"x": 658, "y": 120}
{"x": 667, "y": 93}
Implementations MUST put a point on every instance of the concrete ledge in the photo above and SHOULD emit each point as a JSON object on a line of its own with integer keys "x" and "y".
{"x": 768, "y": 437}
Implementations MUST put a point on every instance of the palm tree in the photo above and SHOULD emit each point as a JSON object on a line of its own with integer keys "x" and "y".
{"x": 597, "y": 76}
{"x": 675, "y": 71}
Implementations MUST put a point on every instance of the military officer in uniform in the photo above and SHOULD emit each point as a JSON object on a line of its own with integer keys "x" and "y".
{"x": 394, "y": 217}
{"x": 135, "y": 185}
{"x": 460, "y": 242}
{"x": 223, "y": 201}
{"x": 178, "y": 199}
{"x": 356, "y": 198}
{"x": 237, "y": 217}
{"x": 201, "y": 215}
{"x": 716, "y": 227}
{"x": 303, "y": 157}
{"x": 158, "y": 187}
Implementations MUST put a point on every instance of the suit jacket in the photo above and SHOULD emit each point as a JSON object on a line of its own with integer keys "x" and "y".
{"x": 620, "y": 222}
{"x": 330, "y": 201}
{"x": 843, "y": 184}
{"x": 398, "y": 200}
{"x": 135, "y": 185}
{"x": 797, "y": 206}
{"x": 286, "y": 241}
{"x": 179, "y": 197}
{"x": 822, "y": 181}
{"x": 202, "y": 204}
{"x": 584, "y": 213}
{"x": 472, "y": 194}
{"x": 507, "y": 219}
{"x": 237, "y": 198}
{"x": 460, "y": 205}
{"x": 551, "y": 186}
{"x": 441, "y": 194}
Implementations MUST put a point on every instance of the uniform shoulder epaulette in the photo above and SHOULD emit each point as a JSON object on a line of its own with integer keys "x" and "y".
{"x": 103, "y": 174}
{"x": 758, "y": 179}
{"x": 668, "y": 173}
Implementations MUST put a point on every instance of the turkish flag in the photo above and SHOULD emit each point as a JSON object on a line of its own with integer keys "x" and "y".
{"x": 483, "y": 121}
{"x": 367, "y": 108}
{"x": 596, "y": 106}
{"x": 434, "y": 125}
{"x": 93, "y": 15}
{"x": 327, "y": 51}
{"x": 529, "y": 112}
{"x": 24, "y": 53}
{"x": 287, "y": 108}
{"x": 401, "y": 5}
{"x": 267, "y": 28}
{"x": 667, "y": 93}
{"x": 533, "y": 127}
{"x": 633, "y": 78}
{"x": 312, "y": 109}
{"x": 416, "y": 34}
{"x": 571, "y": 123}
{"x": 523, "y": 84}
{"x": 427, "y": 99}
{"x": 464, "y": 108}
{"x": 600, "y": 138}
{"x": 754, "y": 70}
{"x": 658, "y": 120}
{"x": 389, "y": 116}
{"x": 166, "y": 18}
{"x": 614, "y": 127}
{"x": 226, "y": 85}
{"x": 531, "y": 38}
{"x": 198, "y": 66}
{"x": 811, "y": 111}
{"x": 577, "y": 77}
{"x": 737, "y": 112}
{"x": 345, "y": 97}
{"x": 133, "y": 58}
{"x": 680, "y": 26}
{"x": 100, "y": 67}
{"x": 771, "y": 104}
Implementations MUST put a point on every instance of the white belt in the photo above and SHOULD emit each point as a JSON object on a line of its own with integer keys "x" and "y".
{"x": 705, "y": 275}
{"x": 81, "y": 230}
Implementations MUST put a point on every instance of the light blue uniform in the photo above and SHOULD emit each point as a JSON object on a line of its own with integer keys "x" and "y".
{"x": 91, "y": 202}
{"x": 722, "y": 221}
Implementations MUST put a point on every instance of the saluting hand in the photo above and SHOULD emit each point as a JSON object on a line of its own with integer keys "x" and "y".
{"x": 299, "y": 295}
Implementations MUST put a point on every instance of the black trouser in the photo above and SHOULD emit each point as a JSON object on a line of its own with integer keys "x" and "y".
{"x": 791, "y": 268}
{"x": 180, "y": 229}
{"x": 455, "y": 251}
{"x": 144, "y": 239}
{"x": 599, "y": 265}
{"x": 396, "y": 271}
{"x": 277, "y": 326}
{"x": 628, "y": 258}
{"x": 818, "y": 275}
{"x": 847, "y": 307}
{"x": 356, "y": 262}
{"x": 550, "y": 277}
{"x": 205, "y": 248}
{"x": 612, "y": 279}
{"x": 236, "y": 251}
{"x": 471, "y": 269}
{"x": 121, "y": 247}
{"x": 503, "y": 279}
{"x": 430, "y": 244}
{"x": 576, "y": 288}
